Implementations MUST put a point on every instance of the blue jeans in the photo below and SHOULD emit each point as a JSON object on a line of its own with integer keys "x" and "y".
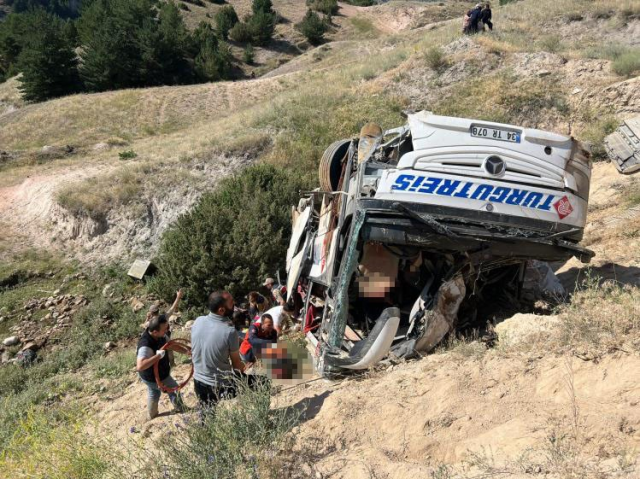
{"x": 154, "y": 392}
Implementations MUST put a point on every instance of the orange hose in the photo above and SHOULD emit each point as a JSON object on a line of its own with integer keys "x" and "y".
{"x": 169, "y": 346}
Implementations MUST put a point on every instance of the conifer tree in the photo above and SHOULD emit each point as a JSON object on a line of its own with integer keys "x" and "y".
{"x": 47, "y": 60}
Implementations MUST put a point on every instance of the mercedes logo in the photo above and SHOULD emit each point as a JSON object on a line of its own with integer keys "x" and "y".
{"x": 495, "y": 165}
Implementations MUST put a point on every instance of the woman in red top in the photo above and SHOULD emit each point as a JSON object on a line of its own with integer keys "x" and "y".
{"x": 259, "y": 336}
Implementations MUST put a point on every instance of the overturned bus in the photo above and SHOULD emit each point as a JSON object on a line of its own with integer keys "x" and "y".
{"x": 413, "y": 226}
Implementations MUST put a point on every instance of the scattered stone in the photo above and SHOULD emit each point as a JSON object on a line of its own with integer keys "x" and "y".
{"x": 32, "y": 345}
{"x": 107, "y": 290}
{"x": 56, "y": 292}
{"x": 136, "y": 305}
{"x": 576, "y": 91}
{"x": 109, "y": 345}
{"x": 5, "y": 358}
{"x": 543, "y": 73}
{"x": 11, "y": 341}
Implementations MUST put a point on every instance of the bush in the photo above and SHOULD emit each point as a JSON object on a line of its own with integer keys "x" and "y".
{"x": 361, "y": 3}
{"x": 240, "y": 33}
{"x": 262, "y": 6}
{"x": 127, "y": 155}
{"x": 627, "y": 64}
{"x": 328, "y": 7}
{"x": 551, "y": 43}
{"x": 226, "y": 18}
{"x": 233, "y": 237}
{"x": 262, "y": 27}
{"x": 436, "y": 58}
{"x": 312, "y": 27}
{"x": 246, "y": 439}
{"x": 248, "y": 55}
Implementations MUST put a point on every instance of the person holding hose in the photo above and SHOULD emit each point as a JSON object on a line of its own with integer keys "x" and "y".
{"x": 149, "y": 354}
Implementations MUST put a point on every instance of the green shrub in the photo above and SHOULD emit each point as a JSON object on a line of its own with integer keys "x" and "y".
{"x": 436, "y": 59}
{"x": 240, "y": 33}
{"x": 262, "y": 27}
{"x": 551, "y": 43}
{"x": 312, "y": 27}
{"x": 243, "y": 439}
{"x": 262, "y": 6}
{"x": 361, "y": 3}
{"x": 248, "y": 54}
{"x": 127, "y": 155}
{"x": 328, "y": 7}
{"x": 607, "y": 51}
{"x": 627, "y": 64}
{"x": 226, "y": 18}
{"x": 233, "y": 238}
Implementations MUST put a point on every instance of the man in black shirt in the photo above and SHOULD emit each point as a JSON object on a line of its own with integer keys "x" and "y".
{"x": 149, "y": 353}
{"x": 485, "y": 16}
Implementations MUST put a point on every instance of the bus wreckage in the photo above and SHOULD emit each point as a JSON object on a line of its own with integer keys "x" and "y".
{"x": 414, "y": 227}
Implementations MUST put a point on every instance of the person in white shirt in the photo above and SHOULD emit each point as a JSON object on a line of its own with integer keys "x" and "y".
{"x": 282, "y": 317}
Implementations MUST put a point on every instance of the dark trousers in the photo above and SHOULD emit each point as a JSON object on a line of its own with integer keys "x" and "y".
{"x": 210, "y": 395}
{"x": 488, "y": 23}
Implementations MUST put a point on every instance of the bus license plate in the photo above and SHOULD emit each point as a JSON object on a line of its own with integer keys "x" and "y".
{"x": 495, "y": 134}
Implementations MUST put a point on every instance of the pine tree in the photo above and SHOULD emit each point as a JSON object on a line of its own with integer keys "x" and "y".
{"x": 262, "y": 26}
{"x": 111, "y": 32}
{"x": 226, "y": 18}
{"x": 47, "y": 61}
{"x": 213, "y": 61}
{"x": 165, "y": 45}
{"x": 262, "y": 6}
{"x": 312, "y": 27}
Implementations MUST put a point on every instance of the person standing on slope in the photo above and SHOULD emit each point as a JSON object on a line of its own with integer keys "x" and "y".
{"x": 215, "y": 351}
{"x": 148, "y": 355}
{"x": 485, "y": 16}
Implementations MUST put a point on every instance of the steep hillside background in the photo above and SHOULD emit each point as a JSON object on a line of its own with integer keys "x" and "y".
{"x": 90, "y": 182}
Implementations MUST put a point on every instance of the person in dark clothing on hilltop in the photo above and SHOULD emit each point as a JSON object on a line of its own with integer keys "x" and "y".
{"x": 485, "y": 16}
{"x": 259, "y": 336}
{"x": 474, "y": 22}
{"x": 149, "y": 354}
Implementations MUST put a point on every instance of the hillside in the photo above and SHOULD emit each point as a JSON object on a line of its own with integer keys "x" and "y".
{"x": 91, "y": 182}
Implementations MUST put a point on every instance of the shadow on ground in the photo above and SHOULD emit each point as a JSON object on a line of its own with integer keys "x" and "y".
{"x": 578, "y": 279}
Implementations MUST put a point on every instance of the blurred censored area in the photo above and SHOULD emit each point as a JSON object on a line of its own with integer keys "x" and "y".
{"x": 287, "y": 362}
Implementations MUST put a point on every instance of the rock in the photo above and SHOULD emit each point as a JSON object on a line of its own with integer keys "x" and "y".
{"x": 107, "y": 290}
{"x": 32, "y": 345}
{"x": 100, "y": 146}
{"x": 543, "y": 73}
{"x": 2, "y": 319}
{"x": 56, "y": 292}
{"x": 11, "y": 341}
{"x": 136, "y": 305}
{"x": 189, "y": 324}
{"x": 173, "y": 319}
{"x": 109, "y": 345}
{"x": 525, "y": 328}
{"x": 5, "y": 358}
{"x": 576, "y": 91}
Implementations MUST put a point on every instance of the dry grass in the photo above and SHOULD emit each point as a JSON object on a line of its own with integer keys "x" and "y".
{"x": 504, "y": 98}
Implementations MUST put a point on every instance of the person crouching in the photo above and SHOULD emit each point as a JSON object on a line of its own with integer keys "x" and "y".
{"x": 149, "y": 353}
{"x": 260, "y": 335}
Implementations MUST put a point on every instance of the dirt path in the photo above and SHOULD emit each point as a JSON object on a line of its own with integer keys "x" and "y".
{"x": 26, "y": 207}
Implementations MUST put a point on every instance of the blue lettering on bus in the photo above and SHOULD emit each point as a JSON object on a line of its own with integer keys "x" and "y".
{"x": 476, "y": 191}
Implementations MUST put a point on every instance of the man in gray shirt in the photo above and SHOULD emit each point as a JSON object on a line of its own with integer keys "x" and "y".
{"x": 215, "y": 351}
